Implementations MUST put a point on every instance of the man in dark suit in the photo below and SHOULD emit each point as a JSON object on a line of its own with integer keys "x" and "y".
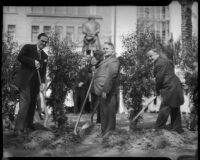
{"x": 106, "y": 86}
{"x": 169, "y": 87}
{"x": 32, "y": 58}
{"x": 81, "y": 89}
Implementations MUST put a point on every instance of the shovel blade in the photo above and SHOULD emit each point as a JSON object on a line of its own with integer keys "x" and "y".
{"x": 86, "y": 125}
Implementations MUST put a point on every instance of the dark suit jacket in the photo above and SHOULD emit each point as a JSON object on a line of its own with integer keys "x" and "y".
{"x": 85, "y": 75}
{"x": 105, "y": 78}
{"x": 167, "y": 83}
{"x": 27, "y": 57}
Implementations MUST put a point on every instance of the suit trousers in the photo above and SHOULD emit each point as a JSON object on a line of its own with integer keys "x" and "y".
{"x": 27, "y": 106}
{"x": 108, "y": 108}
{"x": 95, "y": 100}
{"x": 163, "y": 115}
{"x": 81, "y": 94}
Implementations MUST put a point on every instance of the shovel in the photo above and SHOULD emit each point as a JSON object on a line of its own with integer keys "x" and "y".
{"x": 89, "y": 124}
{"x": 83, "y": 105}
{"x": 143, "y": 109}
{"x": 45, "y": 107}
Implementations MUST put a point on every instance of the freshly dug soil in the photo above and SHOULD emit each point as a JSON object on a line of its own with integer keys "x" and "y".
{"x": 143, "y": 142}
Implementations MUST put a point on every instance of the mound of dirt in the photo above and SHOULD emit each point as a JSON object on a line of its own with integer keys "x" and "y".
{"x": 64, "y": 141}
{"x": 117, "y": 138}
{"x": 161, "y": 139}
{"x": 38, "y": 139}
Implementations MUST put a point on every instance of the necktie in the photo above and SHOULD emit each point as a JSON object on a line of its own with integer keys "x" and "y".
{"x": 39, "y": 54}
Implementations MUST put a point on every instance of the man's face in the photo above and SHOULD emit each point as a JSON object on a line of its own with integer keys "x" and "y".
{"x": 108, "y": 50}
{"x": 42, "y": 42}
{"x": 152, "y": 55}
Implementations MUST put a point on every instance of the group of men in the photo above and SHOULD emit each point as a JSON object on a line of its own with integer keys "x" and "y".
{"x": 105, "y": 86}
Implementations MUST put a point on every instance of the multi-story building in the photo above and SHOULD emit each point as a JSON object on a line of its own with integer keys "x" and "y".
{"x": 165, "y": 20}
{"x": 24, "y": 23}
{"x": 155, "y": 17}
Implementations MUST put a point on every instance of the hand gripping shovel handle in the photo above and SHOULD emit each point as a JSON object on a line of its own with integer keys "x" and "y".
{"x": 39, "y": 77}
{"x": 46, "y": 112}
{"x": 143, "y": 109}
{"x": 83, "y": 105}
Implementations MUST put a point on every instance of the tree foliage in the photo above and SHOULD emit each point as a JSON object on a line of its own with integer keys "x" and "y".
{"x": 63, "y": 65}
{"x": 9, "y": 68}
{"x": 190, "y": 65}
{"x": 136, "y": 75}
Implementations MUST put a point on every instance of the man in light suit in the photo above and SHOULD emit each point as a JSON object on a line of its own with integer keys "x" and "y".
{"x": 32, "y": 58}
{"x": 106, "y": 86}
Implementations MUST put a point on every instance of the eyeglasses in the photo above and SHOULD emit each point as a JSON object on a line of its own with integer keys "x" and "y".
{"x": 105, "y": 48}
{"x": 44, "y": 41}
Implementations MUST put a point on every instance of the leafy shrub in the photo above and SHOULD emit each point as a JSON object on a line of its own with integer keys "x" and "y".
{"x": 63, "y": 67}
{"x": 136, "y": 76}
{"x": 10, "y": 66}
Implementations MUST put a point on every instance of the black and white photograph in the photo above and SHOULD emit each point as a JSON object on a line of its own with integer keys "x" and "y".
{"x": 100, "y": 81}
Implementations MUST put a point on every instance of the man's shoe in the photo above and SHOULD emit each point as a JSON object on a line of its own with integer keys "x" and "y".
{"x": 178, "y": 130}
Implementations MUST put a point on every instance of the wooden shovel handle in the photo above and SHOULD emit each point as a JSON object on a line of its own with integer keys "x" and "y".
{"x": 83, "y": 105}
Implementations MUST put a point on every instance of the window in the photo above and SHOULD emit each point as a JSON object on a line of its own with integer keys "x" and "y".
{"x": 71, "y": 10}
{"x": 60, "y": 10}
{"x": 49, "y": 10}
{"x": 37, "y": 10}
{"x": 140, "y": 12}
{"x": 167, "y": 11}
{"x": 157, "y": 13}
{"x": 59, "y": 32}
{"x": 93, "y": 10}
{"x": 80, "y": 34}
{"x": 47, "y": 30}
{"x": 82, "y": 11}
{"x": 163, "y": 12}
{"x": 10, "y": 9}
{"x": 70, "y": 34}
{"x": 6, "y": 9}
{"x": 35, "y": 32}
{"x": 152, "y": 12}
{"x": 158, "y": 29}
{"x": 157, "y": 17}
{"x": 12, "y": 31}
{"x": 147, "y": 12}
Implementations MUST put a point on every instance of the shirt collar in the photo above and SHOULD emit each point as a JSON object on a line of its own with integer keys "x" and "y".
{"x": 38, "y": 49}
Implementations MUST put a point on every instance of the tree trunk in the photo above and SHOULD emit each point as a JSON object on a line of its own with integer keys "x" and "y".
{"x": 186, "y": 27}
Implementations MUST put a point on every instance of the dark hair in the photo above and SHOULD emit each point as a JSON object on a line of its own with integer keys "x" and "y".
{"x": 160, "y": 51}
{"x": 154, "y": 50}
{"x": 110, "y": 44}
{"x": 42, "y": 34}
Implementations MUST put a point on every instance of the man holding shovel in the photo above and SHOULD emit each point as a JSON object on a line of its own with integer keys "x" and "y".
{"x": 168, "y": 85}
{"x": 32, "y": 59}
{"x": 106, "y": 88}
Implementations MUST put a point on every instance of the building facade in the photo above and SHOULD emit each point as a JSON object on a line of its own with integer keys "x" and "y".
{"x": 25, "y": 23}
{"x": 165, "y": 20}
